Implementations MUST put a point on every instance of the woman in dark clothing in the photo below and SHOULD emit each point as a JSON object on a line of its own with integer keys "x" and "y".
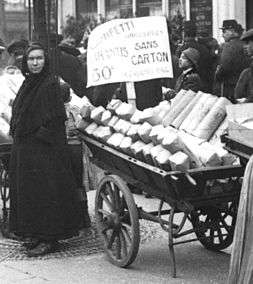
{"x": 43, "y": 197}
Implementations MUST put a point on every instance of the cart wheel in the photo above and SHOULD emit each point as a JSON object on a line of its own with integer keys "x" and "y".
{"x": 117, "y": 220}
{"x": 214, "y": 226}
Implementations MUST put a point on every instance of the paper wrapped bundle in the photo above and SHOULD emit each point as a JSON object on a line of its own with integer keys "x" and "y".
{"x": 102, "y": 133}
{"x": 106, "y": 117}
{"x": 155, "y": 151}
{"x": 164, "y": 133}
{"x": 113, "y": 121}
{"x": 125, "y": 126}
{"x": 146, "y": 151}
{"x": 186, "y": 111}
{"x": 136, "y": 117}
{"x": 115, "y": 139}
{"x": 186, "y": 124}
{"x": 4, "y": 131}
{"x": 91, "y": 128}
{"x": 117, "y": 126}
{"x": 213, "y": 119}
{"x": 136, "y": 149}
{"x": 162, "y": 160}
{"x": 96, "y": 114}
{"x": 156, "y": 130}
{"x": 179, "y": 162}
{"x": 208, "y": 155}
{"x": 82, "y": 124}
{"x": 220, "y": 131}
{"x": 151, "y": 116}
{"x": 125, "y": 111}
{"x": 144, "y": 131}
{"x": 172, "y": 143}
{"x": 201, "y": 113}
{"x": 125, "y": 145}
{"x": 178, "y": 97}
{"x": 178, "y": 108}
{"x": 163, "y": 106}
{"x": 113, "y": 105}
{"x": 133, "y": 132}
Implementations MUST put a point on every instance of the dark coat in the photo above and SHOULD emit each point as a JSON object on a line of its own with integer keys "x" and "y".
{"x": 148, "y": 93}
{"x": 43, "y": 191}
{"x": 244, "y": 86}
{"x": 188, "y": 81}
{"x": 232, "y": 62}
{"x": 204, "y": 63}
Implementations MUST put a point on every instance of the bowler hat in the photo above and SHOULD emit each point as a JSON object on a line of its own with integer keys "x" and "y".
{"x": 192, "y": 54}
{"x": 2, "y": 46}
{"x": 229, "y": 24}
{"x": 17, "y": 46}
{"x": 248, "y": 35}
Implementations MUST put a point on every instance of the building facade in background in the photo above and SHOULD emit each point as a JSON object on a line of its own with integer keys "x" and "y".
{"x": 208, "y": 14}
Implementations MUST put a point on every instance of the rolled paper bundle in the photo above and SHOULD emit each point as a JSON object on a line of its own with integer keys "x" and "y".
{"x": 185, "y": 112}
{"x": 136, "y": 149}
{"x": 115, "y": 139}
{"x": 178, "y": 108}
{"x": 196, "y": 109}
{"x": 125, "y": 111}
{"x": 136, "y": 117}
{"x": 91, "y": 128}
{"x": 164, "y": 133}
{"x": 124, "y": 126}
{"x": 96, "y": 114}
{"x": 203, "y": 111}
{"x": 155, "y": 132}
{"x": 208, "y": 156}
{"x": 113, "y": 121}
{"x": 150, "y": 115}
{"x": 106, "y": 117}
{"x": 144, "y": 131}
{"x": 96, "y": 132}
{"x": 215, "y": 138}
{"x": 163, "y": 106}
{"x": 118, "y": 125}
{"x": 172, "y": 143}
{"x": 178, "y": 97}
{"x": 213, "y": 119}
{"x": 125, "y": 145}
{"x": 179, "y": 161}
{"x": 103, "y": 132}
{"x": 133, "y": 132}
{"x": 82, "y": 124}
{"x": 113, "y": 105}
{"x": 162, "y": 160}
{"x": 154, "y": 152}
{"x": 147, "y": 154}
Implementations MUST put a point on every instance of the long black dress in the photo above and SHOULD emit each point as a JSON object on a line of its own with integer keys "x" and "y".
{"x": 43, "y": 199}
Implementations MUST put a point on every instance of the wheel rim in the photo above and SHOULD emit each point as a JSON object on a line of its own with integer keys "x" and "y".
{"x": 214, "y": 226}
{"x": 117, "y": 221}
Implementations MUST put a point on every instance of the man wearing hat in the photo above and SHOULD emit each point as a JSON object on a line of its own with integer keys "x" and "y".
{"x": 205, "y": 60}
{"x": 232, "y": 60}
{"x": 16, "y": 50}
{"x": 244, "y": 86}
{"x": 189, "y": 78}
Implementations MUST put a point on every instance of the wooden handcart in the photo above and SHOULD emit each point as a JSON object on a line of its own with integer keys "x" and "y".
{"x": 206, "y": 197}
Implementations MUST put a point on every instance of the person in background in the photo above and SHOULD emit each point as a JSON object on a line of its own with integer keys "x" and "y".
{"x": 232, "y": 60}
{"x": 205, "y": 60}
{"x": 189, "y": 79}
{"x": 44, "y": 206}
{"x": 16, "y": 51}
{"x": 244, "y": 86}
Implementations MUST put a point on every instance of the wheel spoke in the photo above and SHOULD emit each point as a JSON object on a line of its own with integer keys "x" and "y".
{"x": 123, "y": 243}
{"x": 106, "y": 200}
{"x": 219, "y": 234}
{"x": 111, "y": 240}
{"x": 226, "y": 226}
{"x": 211, "y": 235}
{"x": 109, "y": 191}
{"x": 126, "y": 235}
{"x": 105, "y": 212}
{"x": 118, "y": 247}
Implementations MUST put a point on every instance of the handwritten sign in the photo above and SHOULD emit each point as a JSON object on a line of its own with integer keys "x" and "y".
{"x": 133, "y": 49}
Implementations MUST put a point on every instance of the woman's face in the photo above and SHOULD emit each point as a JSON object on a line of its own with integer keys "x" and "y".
{"x": 36, "y": 61}
{"x": 184, "y": 62}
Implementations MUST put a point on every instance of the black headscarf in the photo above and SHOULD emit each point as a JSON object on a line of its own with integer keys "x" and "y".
{"x": 38, "y": 100}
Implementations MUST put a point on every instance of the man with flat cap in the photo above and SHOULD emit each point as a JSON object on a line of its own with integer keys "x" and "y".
{"x": 244, "y": 87}
{"x": 232, "y": 60}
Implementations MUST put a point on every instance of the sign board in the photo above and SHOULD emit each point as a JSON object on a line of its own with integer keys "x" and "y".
{"x": 134, "y": 49}
{"x": 201, "y": 14}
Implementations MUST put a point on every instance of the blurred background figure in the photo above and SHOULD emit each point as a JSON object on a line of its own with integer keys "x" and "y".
{"x": 232, "y": 60}
{"x": 16, "y": 51}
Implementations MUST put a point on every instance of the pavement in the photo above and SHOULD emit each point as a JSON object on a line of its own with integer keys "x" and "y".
{"x": 152, "y": 265}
